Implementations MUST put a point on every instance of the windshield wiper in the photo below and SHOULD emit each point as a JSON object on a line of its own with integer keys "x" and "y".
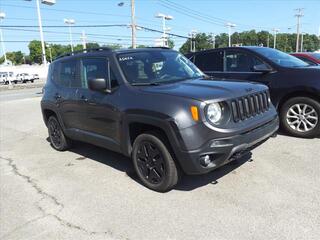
{"x": 145, "y": 84}
{"x": 208, "y": 77}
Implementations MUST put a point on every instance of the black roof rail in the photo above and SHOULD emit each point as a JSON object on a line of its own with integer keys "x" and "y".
{"x": 83, "y": 51}
{"x": 160, "y": 47}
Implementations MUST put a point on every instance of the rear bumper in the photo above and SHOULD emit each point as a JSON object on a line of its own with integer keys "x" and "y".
{"x": 224, "y": 150}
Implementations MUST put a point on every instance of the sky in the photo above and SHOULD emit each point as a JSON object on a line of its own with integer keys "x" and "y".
{"x": 208, "y": 16}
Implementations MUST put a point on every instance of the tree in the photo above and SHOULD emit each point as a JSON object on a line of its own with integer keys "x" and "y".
{"x": 202, "y": 42}
{"x": 35, "y": 51}
{"x": 285, "y": 42}
{"x": 15, "y": 57}
{"x": 170, "y": 43}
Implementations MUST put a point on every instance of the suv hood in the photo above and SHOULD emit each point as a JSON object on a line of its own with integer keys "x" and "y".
{"x": 203, "y": 90}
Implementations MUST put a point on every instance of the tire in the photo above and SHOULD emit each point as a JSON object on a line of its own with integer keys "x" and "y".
{"x": 31, "y": 81}
{"x": 15, "y": 82}
{"x": 57, "y": 137}
{"x": 151, "y": 159}
{"x": 300, "y": 117}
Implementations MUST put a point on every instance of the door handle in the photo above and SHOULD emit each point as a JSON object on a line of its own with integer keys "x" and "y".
{"x": 57, "y": 96}
{"x": 83, "y": 98}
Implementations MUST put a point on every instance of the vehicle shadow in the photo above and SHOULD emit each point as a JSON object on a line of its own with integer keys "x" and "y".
{"x": 189, "y": 182}
{"x": 124, "y": 164}
{"x": 283, "y": 133}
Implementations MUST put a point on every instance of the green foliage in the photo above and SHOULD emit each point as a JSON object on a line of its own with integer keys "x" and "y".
{"x": 35, "y": 51}
{"x": 15, "y": 57}
{"x": 170, "y": 43}
{"x": 285, "y": 42}
{"x": 202, "y": 40}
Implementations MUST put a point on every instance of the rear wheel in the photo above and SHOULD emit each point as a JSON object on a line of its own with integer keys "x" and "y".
{"x": 32, "y": 81}
{"x": 300, "y": 117}
{"x": 153, "y": 162}
{"x": 57, "y": 138}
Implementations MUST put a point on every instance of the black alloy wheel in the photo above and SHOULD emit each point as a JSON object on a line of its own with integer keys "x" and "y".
{"x": 57, "y": 138}
{"x": 150, "y": 163}
{"x": 153, "y": 162}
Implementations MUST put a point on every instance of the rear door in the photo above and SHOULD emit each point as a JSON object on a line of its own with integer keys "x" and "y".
{"x": 65, "y": 93}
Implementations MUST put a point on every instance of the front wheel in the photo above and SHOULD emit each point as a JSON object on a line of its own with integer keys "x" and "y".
{"x": 300, "y": 117}
{"x": 153, "y": 163}
{"x": 57, "y": 138}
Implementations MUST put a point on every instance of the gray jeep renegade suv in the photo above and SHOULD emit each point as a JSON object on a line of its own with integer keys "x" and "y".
{"x": 154, "y": 106}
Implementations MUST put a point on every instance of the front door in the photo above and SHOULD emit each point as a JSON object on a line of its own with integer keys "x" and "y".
{"x": 239, "y": 64}
{"x": 102, "y": 118}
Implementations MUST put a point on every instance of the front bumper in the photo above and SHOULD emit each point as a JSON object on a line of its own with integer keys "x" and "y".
{"x": 224, "y": 150}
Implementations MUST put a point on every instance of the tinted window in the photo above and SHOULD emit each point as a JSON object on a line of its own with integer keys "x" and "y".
{"x": 93, "y": 68}
{"x": 67, "y": 76}
{"x": 280, "y": 58}
{"x": 113, "y": 79}
{"x": 240, "y": 62}
{"x": 306, "y": 60}
{"x": 210, "y": 61}
{"x": 316, "y": 55}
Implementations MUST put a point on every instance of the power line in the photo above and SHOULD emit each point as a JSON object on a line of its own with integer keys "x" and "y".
{"x": 68, "y": 11}
{"x": 78, "y": 33}
{"x": 189, "y": 13}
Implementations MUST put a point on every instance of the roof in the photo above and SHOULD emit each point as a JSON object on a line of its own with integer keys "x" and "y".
{"x": 106, "y": 49}
{"x": 228, "y": 48}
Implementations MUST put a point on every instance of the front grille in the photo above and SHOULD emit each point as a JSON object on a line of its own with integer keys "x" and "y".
{"x": 250, "y": 106}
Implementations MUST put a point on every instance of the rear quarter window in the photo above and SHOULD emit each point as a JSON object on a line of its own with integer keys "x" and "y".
{"x": 210, "y": 61}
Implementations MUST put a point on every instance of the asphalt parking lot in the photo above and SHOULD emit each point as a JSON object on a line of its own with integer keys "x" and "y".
{"x": 92, "y": 193}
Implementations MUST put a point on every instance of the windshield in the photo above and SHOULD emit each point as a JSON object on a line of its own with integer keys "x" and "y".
{"x": 316, "y": 55}
{"x": 149, "y": 67}
{"x": 281, "y": 58}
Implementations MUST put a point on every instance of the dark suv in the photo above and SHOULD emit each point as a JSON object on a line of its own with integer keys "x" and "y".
{"x": 294, "y": 85}
{"x": 155, "y": 106}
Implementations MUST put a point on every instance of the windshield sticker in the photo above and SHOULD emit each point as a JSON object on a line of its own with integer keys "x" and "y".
{"x": 121, "y": 59}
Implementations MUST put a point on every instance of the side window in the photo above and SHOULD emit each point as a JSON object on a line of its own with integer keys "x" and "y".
{"x": 67, "y": 76}
{"x": 92, "y": 68}
{"x": 113, "y": 79}
{"x": 240, "y": 62}
{"x": 210, "y": 61}
{"x": 306, "y": 60}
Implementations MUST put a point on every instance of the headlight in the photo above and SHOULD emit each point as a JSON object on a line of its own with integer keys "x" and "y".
{"x": 214, "y": 113}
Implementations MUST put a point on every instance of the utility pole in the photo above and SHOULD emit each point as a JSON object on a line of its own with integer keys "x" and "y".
{"x": 49, "y": 3}
{"x": 70, "y": 22}
{"x": 164, "y": 28}
{"x": 213, "y": 39}
{"x": 2, "y": 16}
{"x": 229, "y": 26}
{"x": 84, "y": 38}
{"x": 301, "y": 47}
{"x": 44, "y": 60}
{"x": 133, "y": 25}
{"x": 268, "y": 40}
{"x": 298, "y": 15}
{"x": 275, "y": 31}
{"x": 50, "y": 52}
{"x": 192, "y": 41}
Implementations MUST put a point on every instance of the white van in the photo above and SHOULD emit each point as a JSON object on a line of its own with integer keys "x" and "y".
{"x": 7, "y": 77}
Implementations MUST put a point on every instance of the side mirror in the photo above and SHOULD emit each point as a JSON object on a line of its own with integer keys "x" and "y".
{"x": 98, "y": 84}
{"x": 262, "y": 68}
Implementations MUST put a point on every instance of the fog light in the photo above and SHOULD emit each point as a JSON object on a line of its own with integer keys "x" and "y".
{"x": 205, "y": 160}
